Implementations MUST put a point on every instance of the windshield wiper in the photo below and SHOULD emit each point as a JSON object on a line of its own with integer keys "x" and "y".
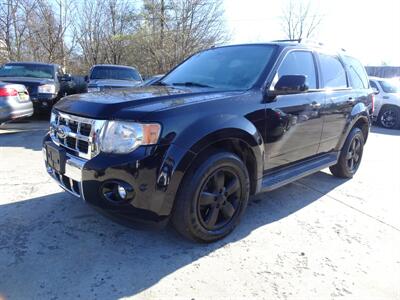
{"x": 190, "y": 83}
{"x": 159, "y": 83}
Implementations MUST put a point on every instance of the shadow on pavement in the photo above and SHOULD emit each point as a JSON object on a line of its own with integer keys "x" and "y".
{"x": 57, "y": 246}
{"x": 29, "y": 138}
{"x": 381, "y": 130}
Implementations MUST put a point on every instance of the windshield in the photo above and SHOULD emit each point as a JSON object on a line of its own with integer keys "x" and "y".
{"x": 236, "y": 67}
{"x": 389, "y": 87}
{"x": 27, "y": 70}
{"x": 115, "y": 73}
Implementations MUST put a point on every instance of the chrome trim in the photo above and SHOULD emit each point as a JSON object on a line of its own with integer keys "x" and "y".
{"x": 92, "y": 139}
{"x": 73, "y": 172}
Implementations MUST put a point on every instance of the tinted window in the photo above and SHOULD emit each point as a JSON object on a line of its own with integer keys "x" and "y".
{"x": 333, "y": 73}
{"x": 299, "y": 63}
{"x": 235, "y": 67}
{"x": 358, "y": 76}
{"x": 115, "y": 73}
{"x": 389, "y": 87}
{"x": 27, "y": 70}
{"x": 373, "y": 85}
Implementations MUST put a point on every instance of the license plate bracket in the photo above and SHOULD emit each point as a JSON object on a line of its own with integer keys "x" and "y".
{"x": 56, "y": 157}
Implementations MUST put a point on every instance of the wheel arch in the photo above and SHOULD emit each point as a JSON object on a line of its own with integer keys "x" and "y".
{"x": 234, "y": 134}
{"x": 360, "y": 120}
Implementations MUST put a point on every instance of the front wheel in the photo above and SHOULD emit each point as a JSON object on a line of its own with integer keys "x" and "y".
{"x": 212, "y": 198}
{"x": 350, "y": 156}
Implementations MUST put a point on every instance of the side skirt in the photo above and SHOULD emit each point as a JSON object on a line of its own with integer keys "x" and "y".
{"x": 276, "y": 179}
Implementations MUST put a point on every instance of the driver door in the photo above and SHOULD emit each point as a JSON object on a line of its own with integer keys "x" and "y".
{"x": 293, "y": 122}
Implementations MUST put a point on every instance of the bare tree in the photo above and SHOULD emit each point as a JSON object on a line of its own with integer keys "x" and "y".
{"x": 300, "y": 19}
{"x": 48, "y": 26}
{"x": 13, "y": 26}
{"x": 103, "y": 29}
{"x": 153, "y": 35}
{"x": 172, "y": 30}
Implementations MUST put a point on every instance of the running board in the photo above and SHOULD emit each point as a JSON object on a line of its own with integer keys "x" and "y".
{"x": 280, "y": 178}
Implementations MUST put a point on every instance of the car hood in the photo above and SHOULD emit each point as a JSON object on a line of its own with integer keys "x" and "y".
{"x": 112, "y": 83}
{"x": 136, "y": 102}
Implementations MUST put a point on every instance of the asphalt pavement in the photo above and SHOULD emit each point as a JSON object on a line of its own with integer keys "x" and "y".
{"x": 318, "y": 238}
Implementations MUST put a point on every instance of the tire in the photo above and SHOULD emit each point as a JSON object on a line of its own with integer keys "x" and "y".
{"x": 389, "y": 117}
{"x": 350, "y": 155}
{"x": 212, "y": 197}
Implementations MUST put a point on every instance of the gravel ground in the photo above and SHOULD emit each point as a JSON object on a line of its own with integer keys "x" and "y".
{"x": 318, "y": 238}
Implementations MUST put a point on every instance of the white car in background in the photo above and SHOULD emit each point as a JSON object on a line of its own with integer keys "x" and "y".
{"x": 387, "y": 102}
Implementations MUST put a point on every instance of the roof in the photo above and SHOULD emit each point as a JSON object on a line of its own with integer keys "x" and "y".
{"x": 111, "y": 65}
{"x": 30, "y": 63}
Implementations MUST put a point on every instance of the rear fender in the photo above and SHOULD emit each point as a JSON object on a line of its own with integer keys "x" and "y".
{"x": 358, "y": 113}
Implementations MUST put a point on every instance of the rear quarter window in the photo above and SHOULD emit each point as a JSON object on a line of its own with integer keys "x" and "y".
{"x": 333, "y": 72}
{"x": 358, "y": 75}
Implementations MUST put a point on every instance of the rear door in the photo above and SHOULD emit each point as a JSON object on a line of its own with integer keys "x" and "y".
{"x": 293, "y": 122}
{"x": 340, "y": 100}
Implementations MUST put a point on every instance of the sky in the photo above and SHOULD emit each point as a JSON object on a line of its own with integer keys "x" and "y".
{"x": 368, "y": 30}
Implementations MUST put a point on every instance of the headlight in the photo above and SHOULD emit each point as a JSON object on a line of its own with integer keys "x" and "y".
{"x": 124, "y": 137}
{"x": 93, "y": 89}
{"x": 47, "y": 89}
{"x": 52, "y": 117}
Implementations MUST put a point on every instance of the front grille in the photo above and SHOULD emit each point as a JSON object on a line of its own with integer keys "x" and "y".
{"x": 76, "y": 134}
{"x": 67, "y": 183}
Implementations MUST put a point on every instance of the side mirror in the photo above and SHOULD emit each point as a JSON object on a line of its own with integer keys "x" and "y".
{"x": 66, "y": 77}
{"x": 86, "y": 78}
{"x": 375, "y": 90}
{"x": 290, "y": 84}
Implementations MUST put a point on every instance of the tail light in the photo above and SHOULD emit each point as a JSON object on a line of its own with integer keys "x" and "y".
{"x": 373, "y": 102}
{"x": 5, "y": 92}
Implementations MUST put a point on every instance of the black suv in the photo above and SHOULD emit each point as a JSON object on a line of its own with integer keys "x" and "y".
{"x": 227, "y": 123}
{"x": 46, "y": 83}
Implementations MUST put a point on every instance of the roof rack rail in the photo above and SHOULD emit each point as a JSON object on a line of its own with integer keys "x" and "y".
{"x": 300, "y": 41}
{"x": 289, "y": 40}
{"x": 307, "y": 42}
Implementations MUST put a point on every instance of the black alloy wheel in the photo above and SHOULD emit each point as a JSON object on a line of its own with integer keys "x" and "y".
{"x": 354, "y": 154}
{"x": 350, "y": 155}
{"x": 213, "y": 196}
{"x": 389, "y": 117}
{"x": 219, "y": 199}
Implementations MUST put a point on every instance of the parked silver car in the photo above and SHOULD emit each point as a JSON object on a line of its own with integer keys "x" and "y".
{"x": 14, "y": 102}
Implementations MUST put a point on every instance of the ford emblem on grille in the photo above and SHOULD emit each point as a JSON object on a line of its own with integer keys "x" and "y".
{"x": 62, "y": 131}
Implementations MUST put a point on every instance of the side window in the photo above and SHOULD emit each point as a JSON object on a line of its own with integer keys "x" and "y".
{"x": 374, "y": 86}
{"x": 333, "y": 73}
{"x": 299, "y": 63}
{"x": 358, "y": 76}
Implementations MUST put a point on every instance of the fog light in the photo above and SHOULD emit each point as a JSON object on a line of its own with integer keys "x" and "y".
{"x": 117, "y": 192}
{"x": 122, "y": 192}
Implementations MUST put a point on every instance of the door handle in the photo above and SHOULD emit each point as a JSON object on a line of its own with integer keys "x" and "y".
{"x": 315, "y": 104}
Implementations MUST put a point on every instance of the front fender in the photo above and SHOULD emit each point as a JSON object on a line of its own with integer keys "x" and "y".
{"x": 194, "y": 139}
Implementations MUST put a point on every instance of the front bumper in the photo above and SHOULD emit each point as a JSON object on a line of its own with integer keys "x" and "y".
{"x": 86, "y": 179}
{"x": 43, "y": 101}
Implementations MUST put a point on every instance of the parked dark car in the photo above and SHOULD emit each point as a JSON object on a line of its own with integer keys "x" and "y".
{"x": 227, "y": 123}
{"x": 106, "y": 77}
{"x": 46, "y": 83}
{"x": 14, "y": 102}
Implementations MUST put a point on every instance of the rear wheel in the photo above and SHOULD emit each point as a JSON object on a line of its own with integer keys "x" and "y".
{"x": 389, "y": 117}
{"x": 212, "y": 198}
{"x": 350, "y": 156}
